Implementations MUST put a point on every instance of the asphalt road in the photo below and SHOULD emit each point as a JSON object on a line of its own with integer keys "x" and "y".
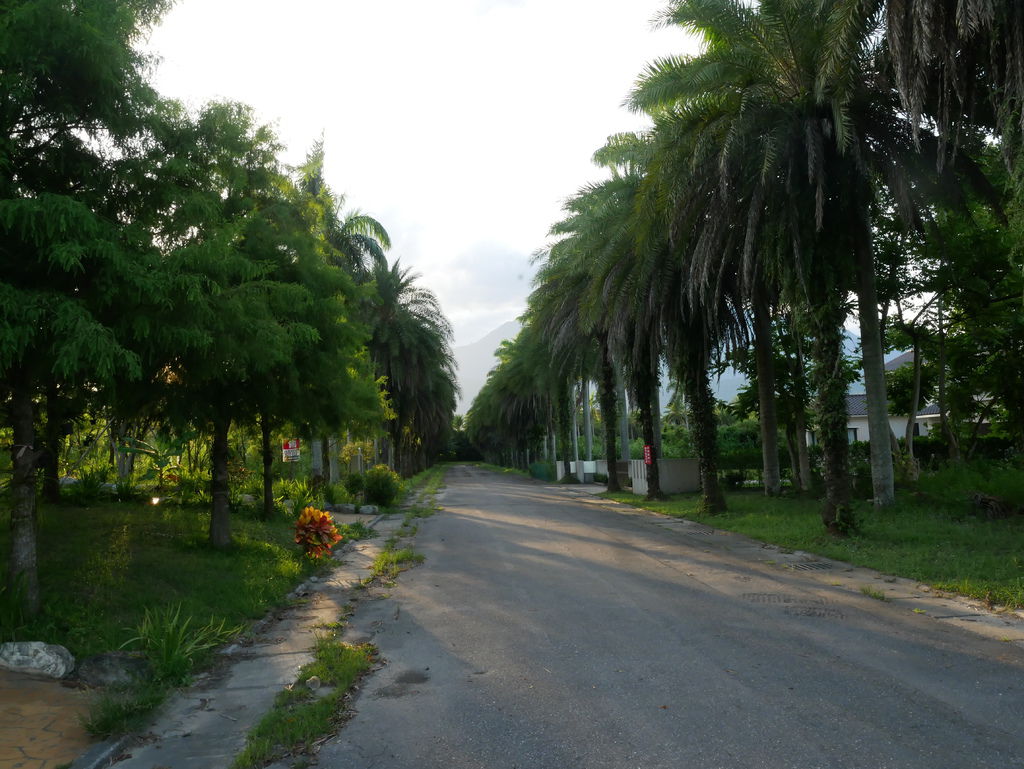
{"x": 544, "y": 632}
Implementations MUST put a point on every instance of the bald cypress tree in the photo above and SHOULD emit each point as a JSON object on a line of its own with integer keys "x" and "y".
{"x": 74, "y": 258}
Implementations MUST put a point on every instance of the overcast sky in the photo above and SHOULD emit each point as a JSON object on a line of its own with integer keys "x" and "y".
{"x": 461, "y": 125}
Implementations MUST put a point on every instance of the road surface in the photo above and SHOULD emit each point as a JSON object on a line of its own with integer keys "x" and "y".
{"x": 546, "y": 632}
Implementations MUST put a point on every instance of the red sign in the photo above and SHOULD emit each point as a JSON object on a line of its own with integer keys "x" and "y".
{"x": 648, "y": 455}
{"x": 290, "y": 450}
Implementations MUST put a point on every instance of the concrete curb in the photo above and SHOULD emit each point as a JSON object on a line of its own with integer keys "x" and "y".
{"x": 102, "y": 754}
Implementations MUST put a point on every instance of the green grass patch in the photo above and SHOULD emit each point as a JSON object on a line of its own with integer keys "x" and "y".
{"x": 122, "y": 709}
{"x": 301, "y": 715}
{"x": 102, "y": 568}
{"x": 389, "y": 562}
{"x": 930, "y": 535}
{"x": 873, "y": 592}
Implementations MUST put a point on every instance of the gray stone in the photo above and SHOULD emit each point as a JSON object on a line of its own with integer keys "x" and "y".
{"x": 247, "y": 499}
{"x": 36, "y": 657}
{"x": 347, "y": 509}
{"x": 112, "y": 669}
{"x": 367, "y": 509}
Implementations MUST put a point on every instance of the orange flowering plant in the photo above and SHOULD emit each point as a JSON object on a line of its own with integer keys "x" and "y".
{"x": 316, "y": 532}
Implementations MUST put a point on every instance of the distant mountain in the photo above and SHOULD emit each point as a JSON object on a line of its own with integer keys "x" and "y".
{"x": 476, "y": 359}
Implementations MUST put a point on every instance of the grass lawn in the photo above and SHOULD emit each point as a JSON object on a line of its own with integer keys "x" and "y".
{"x": 930, "y": 538}
{"x": 101, "y": 567}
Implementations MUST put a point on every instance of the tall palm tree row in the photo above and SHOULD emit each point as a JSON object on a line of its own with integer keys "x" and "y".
{"x": 755, "y": 195}
{"x": 410, "y": 346}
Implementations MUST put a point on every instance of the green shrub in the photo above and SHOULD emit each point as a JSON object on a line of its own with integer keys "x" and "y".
{"x": 126, "y": 490}
{"x": 193, "y": 488}
{"x": 301, "y": 492}
{"x": 544, "y": 471}
{"x": 90, "y": 487}
{"x": 173, "y": 644}
{"x": 354, "y": 483}
{"x": 335, "y": 494}
{"x": 381, "y": 486}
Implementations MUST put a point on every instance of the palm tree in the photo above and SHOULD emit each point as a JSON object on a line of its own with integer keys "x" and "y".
{"x": 411, "y": 351}
{"x": 798, "y": 136}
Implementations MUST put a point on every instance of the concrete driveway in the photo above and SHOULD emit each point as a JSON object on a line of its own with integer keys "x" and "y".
{"x": 545, "y": 632}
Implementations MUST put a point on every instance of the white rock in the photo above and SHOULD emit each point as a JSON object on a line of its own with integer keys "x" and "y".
{"x": 36, "y": 657}
{"x": 367, "y": 509}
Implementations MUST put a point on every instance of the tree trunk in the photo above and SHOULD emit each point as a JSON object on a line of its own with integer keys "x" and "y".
{"x": 766, "y": 397}
{"x": 882, "y": 476}
{"x": 705, "y": 438}
{"x": 913, "y": 470}
{"x": 623, "y": 399}
{"x": 576, "y": 438}
{"x": 794, "y": 458}
{"x": 220, "y": 517}
{"x": 830, "y": 384}
{"x": 267, "y": 453}
{"x": 800, "y": 425}
{"x": 564, "y": 422}
{"x": 606, "y": 394}
{"x": 645, "y": 383}
{"x": 334, "y": 471}
{"x": 22, "y": 568}
{"x": 588, "y": 422}
{"x": 53, "y": 440}
{"x": 316, "y": 460}
{"x": 947, "y": 428}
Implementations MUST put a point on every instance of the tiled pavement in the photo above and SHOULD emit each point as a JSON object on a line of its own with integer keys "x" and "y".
{"x": 40, "y": 724}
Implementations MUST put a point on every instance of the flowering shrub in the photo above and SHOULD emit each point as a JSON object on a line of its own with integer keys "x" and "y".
{"x": 316, "y": 532}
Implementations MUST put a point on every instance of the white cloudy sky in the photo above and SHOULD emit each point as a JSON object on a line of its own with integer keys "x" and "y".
{"x": 460, "y": 124}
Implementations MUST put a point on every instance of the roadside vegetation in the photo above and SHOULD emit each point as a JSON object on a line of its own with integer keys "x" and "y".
{"x": 314, "y": 706}
{"x": 420, "y": 503}
{"x": 933, "y": 534}
{"x": 799, "y": 177}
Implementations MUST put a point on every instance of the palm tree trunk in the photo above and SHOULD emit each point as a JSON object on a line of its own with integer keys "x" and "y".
{"x": 645, "y": 383}
{"x": 606, "y": 394}
{"x": 882, "y": 476}
{"x": 830, "y": 383}
{"x": 220, "y": 517}
{"x": 22, "y": 567}
{"x": 623, "y": 398}
{"x": 766, "y": 398}
{"x": 588, "y": 422}
{"x": 800, "y": 426}
{"x": 656, "y": 415}
{"x": 702, "y": 405}
{"x": 575, "y": 435}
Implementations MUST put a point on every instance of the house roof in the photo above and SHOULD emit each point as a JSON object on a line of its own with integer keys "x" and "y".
{"x": 856, "y": 405}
